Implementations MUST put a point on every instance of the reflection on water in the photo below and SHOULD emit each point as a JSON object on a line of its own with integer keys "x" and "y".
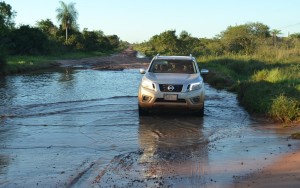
{"x": 170, "y": 134}
{"x": 6, "y": 93}
{"x": 67, "y": 75}
{"x": 4, "y": 162}
{"x": 84, "y": 113}
{"x": 67, "y": 78}
{"x": 67, "y": 85}
{"x": 172, "y": 146}
{"x": 84, "y": 125}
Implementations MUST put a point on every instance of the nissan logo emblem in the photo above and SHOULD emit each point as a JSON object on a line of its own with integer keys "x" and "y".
{"x": 171, "y": 88}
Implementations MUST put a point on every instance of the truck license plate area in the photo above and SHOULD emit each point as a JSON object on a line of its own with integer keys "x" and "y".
{"x": 168, "y": 97}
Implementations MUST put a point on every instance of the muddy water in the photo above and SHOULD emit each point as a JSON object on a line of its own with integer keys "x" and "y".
{"x": 81, "y": 128}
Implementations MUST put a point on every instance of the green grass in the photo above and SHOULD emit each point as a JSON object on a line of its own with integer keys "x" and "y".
{"x": 19, "y": 64}
{"x": 285, "y": 109}
{"x": 296, "y": 135}
{"x": 26, "y": 64}
{"x": 269, "y": 86}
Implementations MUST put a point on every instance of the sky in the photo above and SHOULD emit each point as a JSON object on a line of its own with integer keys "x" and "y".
{"x": 138, "y": 20}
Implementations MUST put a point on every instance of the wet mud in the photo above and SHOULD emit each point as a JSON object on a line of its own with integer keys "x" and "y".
{"x": 80, "y": 128}
{"x": 127, "y": 59}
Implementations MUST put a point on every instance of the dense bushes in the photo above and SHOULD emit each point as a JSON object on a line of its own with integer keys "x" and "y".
{"x": 246, "y": 39}
{"x": 265, "y": 87}
{"x": 46, "y": 38}
{"x": 27, "y": 41}
{"x": 285, "y": 109}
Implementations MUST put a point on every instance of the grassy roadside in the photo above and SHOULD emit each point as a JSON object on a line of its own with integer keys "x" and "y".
{"x": 20, "y": 64}
{"x": 270, "y": 86}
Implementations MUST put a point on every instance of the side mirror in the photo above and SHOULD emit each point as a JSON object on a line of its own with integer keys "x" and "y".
{"x": 204, "y": 71}
{"x": 142, "y": 71}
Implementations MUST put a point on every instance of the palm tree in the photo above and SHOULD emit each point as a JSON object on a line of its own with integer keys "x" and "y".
{"x": 67, "y": 15}
{"x": 275, "y": 32}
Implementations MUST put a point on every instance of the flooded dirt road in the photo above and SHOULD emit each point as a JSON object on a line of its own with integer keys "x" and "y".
{"x": 80, "y": 128}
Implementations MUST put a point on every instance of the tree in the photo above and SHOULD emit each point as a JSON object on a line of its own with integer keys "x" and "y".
{"x": 165, "y": 43}
{"x": 213, "y": 46}
{"x": 91, "y": 39}
{"x": 295, "y": 35}
{"x": 6, "y": 16}
{"x": 244, "y": 38}
{"x": 47, "y": 26}
{"x": 6, "y": 24}
{"x": 67, "y": 15}
{"x": 27, "y": 40}
{"x": 114, "y": 41}
{"x": 237, "y": 39}
{"x": 275, "y": 32}
{"x": 259, "y": 30}
{"x": 184, "y": 35}
{"x": 189, "y": 45}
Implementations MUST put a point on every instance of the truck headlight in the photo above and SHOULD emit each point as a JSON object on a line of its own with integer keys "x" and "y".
{"x": 148, "y": 84}
{"x": 195, "y": 86}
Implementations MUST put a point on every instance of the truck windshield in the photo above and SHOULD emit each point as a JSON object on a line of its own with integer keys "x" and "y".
{"x": 173, "y": 66}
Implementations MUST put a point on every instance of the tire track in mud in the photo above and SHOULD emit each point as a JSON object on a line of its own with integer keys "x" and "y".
{"x": 44, "y": 109}
{"x": 163, "y": 169}
{"x": 174, "y": 149}
{"x": 75, "y": 179}
{"x": 167, "y": 156}
{"x": 107, "y": 144}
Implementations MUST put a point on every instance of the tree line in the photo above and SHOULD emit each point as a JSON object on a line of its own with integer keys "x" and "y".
{"x": 47, "y": 38}
{"x": 246, "y": 39}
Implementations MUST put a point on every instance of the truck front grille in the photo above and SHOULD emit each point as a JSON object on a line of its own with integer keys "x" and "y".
{"x": 168, "y": 88}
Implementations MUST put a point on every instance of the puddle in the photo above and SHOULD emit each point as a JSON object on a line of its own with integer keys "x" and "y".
{"x": 81, "y": 128}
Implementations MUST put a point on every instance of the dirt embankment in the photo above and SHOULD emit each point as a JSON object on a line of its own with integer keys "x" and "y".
{"x": 124, "y": 60}
{"x": 283, "y": 173}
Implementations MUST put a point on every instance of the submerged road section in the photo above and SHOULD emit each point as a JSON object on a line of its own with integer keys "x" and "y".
{"x": 81, "y": 128}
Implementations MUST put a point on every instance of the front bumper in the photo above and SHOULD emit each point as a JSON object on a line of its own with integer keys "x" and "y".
{"x": 150, "y": 99}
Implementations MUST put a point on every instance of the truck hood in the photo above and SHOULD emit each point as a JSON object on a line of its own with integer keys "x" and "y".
{"x": 173, "y": 78}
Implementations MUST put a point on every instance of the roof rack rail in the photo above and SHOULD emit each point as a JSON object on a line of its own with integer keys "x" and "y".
{"x": 192, "y": 57}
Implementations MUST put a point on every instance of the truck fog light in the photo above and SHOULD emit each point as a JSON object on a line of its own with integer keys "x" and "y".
{"x": 146, "y": 98}
{"x": 195, "y": 99}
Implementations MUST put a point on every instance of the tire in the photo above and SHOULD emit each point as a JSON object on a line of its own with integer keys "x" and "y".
{"x": 142, "y": 112}
{"x": 200, "y": 112}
